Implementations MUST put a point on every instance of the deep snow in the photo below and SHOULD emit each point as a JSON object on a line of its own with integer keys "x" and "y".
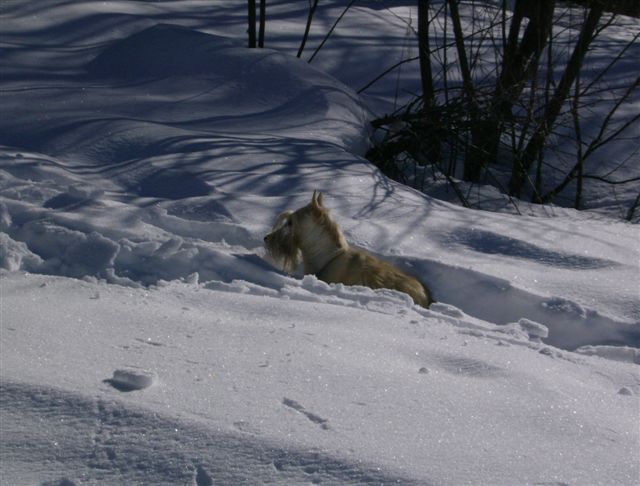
{"x": 146, "y": 340}
{"x": 261, "y": 389}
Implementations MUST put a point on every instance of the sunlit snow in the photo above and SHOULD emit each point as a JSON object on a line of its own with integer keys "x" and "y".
{"x": 145, "y": 338}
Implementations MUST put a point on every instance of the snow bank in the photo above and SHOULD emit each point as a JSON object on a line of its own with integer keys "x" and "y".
{"x": 256, "y": 388}
{"x": 618, "y": 353}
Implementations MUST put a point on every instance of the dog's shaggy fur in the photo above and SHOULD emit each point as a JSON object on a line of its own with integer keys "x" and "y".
{"x": 310, "y": 235}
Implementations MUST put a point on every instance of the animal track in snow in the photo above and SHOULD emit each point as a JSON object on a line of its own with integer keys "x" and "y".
{"x": 202, "y": 477}
{"x": 149, "y": 342}
{"x": 245, "y": 427}
{"x": 59, "y": 482}
{"x": 130, "y": 379}
{"x": 468, "y": 367}
{"x": 323, "y": 423}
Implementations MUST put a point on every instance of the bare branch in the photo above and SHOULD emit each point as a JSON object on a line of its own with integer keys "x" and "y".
{"x": 312, "y": 10}
{"x": 462, "y": 55}
{"x": 333, "y": 27}
{"x": 613, "y": 61}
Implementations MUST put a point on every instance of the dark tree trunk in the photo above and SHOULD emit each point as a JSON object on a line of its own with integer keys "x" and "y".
{"x": 251, "y": 17}
{"x": 514, "y": 34}
{"x": 428, "y": 95}
{"x": 475, "y": 158}
{"x": 262, "y": 22}
{"x": 518, "y": 65}
{"x": 462, "y": 54}
{"x": 519, "y": 59}
{"x": 431, "y": 144}
{"x": 552, "y": 110}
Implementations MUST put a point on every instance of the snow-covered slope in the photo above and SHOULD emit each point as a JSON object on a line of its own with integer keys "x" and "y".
{"x": 146, "y": 340}
{"x": 263, "y": 389}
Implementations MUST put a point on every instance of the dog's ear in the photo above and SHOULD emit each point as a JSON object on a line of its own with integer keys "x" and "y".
{"x": 316, "y": 200}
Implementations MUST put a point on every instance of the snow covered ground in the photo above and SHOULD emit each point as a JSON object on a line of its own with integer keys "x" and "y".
{"x": 145, "y": 339}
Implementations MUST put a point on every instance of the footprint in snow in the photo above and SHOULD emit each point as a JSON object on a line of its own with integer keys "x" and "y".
{"x": 130, "y": 379}
{"x": 468, "y": 367}
{"x": 59, "y": 482}
{"x": 202, "y": 477}
{"x": 149, "y": 342}
{"x": 323, "y": 423}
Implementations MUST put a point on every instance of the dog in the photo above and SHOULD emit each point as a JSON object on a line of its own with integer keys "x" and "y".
{"x": 309, "y": 234}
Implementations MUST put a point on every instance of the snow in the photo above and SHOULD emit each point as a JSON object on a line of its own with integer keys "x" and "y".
{"x": 262, "y": 389}
{"x": 145, "y": 338}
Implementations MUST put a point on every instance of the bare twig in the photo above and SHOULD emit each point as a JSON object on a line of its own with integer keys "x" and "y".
{"x": 599, "y": 141}
{"x": 312, "y": 10}
{"x": 608, "y": 181}
{"x": 443, "y": 47}
{"x": 613, "y": 61}
{"x": 326, "y": 37}
{"x": 387, "y": 71}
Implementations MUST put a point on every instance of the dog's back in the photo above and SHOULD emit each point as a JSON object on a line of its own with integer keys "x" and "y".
{"x": 356, "y": 267}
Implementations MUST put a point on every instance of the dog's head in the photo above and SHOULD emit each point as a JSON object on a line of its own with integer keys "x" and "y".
{"x": 284, "y": 242}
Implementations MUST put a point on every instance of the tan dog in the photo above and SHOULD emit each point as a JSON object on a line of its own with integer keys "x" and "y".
{"x": 309, "y": 233}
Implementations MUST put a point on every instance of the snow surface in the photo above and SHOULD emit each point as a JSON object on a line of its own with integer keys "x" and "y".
{"x": 145, "y": 339}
